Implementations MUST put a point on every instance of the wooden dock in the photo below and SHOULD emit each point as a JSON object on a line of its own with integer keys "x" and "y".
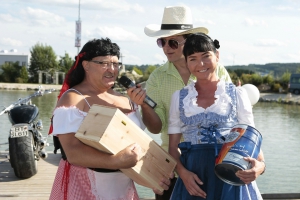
{"x": 39, "y": 186}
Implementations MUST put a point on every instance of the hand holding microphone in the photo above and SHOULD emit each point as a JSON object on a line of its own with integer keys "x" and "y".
{"x": 127, "y": 83}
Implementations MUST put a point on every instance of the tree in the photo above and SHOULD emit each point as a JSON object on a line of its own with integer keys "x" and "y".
{"x": 10, "y": 72}
{"x": 285, "y": 79}
{"x": 42, "y": 58}
{"x": 269, "y": 79}
{"x": 245, "y": 78}
{"x": 23, "y": 75}
{"x": 65, "y": 63}
{"x": 256, "y": 79}
{"x": 137, "y": 70}
{"x": 148, "y": 71}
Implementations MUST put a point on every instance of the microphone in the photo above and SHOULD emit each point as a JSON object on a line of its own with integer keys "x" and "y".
{"x": 127, "y": 83}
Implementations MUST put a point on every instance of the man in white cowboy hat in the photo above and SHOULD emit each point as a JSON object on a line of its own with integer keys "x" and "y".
{"x": 176, "y": 24}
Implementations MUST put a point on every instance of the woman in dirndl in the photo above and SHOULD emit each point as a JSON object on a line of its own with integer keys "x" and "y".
{"x": 203, "y": 113}
{"x": 85, "y": 172}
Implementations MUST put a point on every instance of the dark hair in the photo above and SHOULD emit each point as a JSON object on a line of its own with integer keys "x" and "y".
{"x": 92, "y": 49}
{"x": 186, "y": 35}
{"x": 199, "y": 42}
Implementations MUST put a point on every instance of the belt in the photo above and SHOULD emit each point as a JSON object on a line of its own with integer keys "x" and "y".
{"x": 104, "y": 170}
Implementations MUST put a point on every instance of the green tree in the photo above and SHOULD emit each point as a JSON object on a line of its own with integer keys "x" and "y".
{"x": 234, "y": 77}
{"x": 137, "y": 70}
{"x": 11, "y": 71}
{"x": 246, "y": 78}
{"x": 42, "y": 58}
{"x": 23, "y": 75}
{"x": 256, "y": 79}
{"x": 65, "y": 63}
{"x": 148, "y": 71}
{"x": 284, "y": 80}
{"x": 240, "y": 72}
{"x": 269, "y": 79}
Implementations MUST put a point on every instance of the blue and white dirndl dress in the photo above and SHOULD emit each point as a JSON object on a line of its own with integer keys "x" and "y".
{"x": 203, "y": 134}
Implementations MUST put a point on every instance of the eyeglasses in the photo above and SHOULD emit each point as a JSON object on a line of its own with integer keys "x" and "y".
{"x": 161, "y": 42}
{"x": 106, "y": 65}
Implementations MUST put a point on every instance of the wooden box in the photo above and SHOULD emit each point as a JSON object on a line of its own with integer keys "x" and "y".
{"x": 110, "y": 130}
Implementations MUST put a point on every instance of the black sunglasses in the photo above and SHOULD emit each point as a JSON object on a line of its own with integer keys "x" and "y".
{"x": 161, "y": 42}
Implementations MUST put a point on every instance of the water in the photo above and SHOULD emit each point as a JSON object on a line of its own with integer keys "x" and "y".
{"x": 278, "y": 123}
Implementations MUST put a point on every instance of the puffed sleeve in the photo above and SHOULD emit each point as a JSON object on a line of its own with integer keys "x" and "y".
{"x": 244, "y": 107}
{"x": 174, "y": 115}
{"x": 67, "y": 120}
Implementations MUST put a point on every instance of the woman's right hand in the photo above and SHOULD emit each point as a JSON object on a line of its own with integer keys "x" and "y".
{"x": 192, "y": 182}
{"x": 128, "y": 157}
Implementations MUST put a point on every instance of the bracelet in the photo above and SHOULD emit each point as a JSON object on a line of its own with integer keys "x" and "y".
{"x": 264, "y": 168}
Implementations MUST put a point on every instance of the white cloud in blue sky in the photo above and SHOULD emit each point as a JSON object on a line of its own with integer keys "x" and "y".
{"x": 250, "y": 32}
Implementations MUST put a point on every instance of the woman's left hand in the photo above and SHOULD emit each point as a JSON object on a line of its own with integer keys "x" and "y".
{"x": 249, "y": 175}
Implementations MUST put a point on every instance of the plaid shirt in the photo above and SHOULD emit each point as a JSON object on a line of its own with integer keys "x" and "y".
{"x": 161, "y": 85}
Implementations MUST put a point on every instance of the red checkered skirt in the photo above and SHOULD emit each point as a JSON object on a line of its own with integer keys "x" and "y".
{"x": 79, "y": 183}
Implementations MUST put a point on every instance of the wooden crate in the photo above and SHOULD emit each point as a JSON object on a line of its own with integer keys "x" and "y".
{"x": 110, "y": 130}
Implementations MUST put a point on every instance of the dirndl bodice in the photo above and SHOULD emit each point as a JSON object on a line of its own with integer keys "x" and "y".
{"x": 208, "y": 127}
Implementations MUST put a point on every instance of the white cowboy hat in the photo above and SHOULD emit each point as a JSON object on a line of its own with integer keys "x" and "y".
{"x": 177, "y": 20}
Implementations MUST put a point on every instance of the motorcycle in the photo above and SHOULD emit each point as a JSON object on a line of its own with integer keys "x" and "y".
{"x": 26, "y": 143}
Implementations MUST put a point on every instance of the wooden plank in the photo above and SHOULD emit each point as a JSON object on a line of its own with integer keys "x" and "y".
{"x": 37, "y": 187}
{"x": 110, "y": 130}
{"x": 295, "y": 196}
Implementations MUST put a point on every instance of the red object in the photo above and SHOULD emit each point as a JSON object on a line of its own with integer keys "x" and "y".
{"x": 66, "y": 86}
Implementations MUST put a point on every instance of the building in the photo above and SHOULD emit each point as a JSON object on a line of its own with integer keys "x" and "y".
{"x": 13, "y": 56}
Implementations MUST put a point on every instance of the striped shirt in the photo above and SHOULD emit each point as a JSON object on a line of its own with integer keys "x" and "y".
{"x": 161, "y": 85}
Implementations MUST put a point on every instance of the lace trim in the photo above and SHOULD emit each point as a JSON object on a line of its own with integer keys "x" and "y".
{"x": 71, "y": 108}
{"x": 211, "y": 116}
{"x": 82, "y": 113}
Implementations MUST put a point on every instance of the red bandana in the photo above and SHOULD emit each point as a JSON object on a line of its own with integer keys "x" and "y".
{"x": 66, "y": 85}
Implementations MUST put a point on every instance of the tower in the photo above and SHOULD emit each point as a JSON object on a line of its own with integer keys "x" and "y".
{"x": 78, "y": 31}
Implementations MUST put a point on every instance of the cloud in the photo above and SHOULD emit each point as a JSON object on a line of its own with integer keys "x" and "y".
{"x": 269, "y": 43}
{"x": 40, "y": 17}
{"x": 8, "y": 18}
{"x": 137, "y": 8}
{"x": 204, "y": 21}
{"x": 67, "y": 34}
{"x": 253, "y": 22}
{"x": 284, "y": 8}
{"x": 116, "y": 33}
{"x": 159, "y": 58}
{"x": 10, "y": 42}
{"x": 116, "y": 6}
{"x": 294, "y": 57}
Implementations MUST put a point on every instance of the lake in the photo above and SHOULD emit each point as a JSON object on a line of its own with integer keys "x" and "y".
{"x": 278, "y": 123}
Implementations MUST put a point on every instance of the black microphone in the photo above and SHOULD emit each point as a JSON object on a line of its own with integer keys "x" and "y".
{"x": 127, "y": 83}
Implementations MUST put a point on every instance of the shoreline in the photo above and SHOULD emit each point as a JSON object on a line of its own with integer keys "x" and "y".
{"x": 283, "y": 98}
{"x": 27, "y": 86}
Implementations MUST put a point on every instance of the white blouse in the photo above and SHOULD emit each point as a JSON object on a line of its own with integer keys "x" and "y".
{"x": 68, "y": 119}
{"x": 221, "y": 106}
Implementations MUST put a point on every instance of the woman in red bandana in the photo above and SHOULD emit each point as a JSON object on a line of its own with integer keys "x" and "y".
{"x": 84, "y": 172}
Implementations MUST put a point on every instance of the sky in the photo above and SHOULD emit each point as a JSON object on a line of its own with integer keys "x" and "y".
{"x": 249, "y": 31}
